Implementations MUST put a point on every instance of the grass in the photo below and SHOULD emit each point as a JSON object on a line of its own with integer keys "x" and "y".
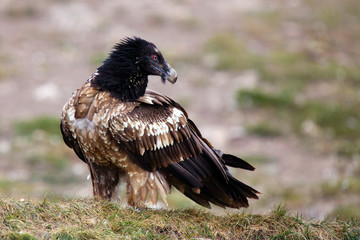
{"x": 301, "y": 67}
{"x": 263, "y": 129}
{"x": 342, "y": 121}
{"x": 308, "y": 79}
{"x": 231, "y": 54}
{"x": 43, "y": 162}
{"x": 21, "y": 11}
{"x": 350, "y": 185}
{"x": 257, "y": 159}
{"x": 293, "y": 52}
{"x": 89, "y": 219}
{"x": 50, "y": 168}
{"x": 334, "y": 120}
{"x": 6, "y": 186}
{"x": 346, "y": 212}
{"x": 49, "y": 162}
{"x": 47, "y": 124}
{"x": 257, "y": 98}
{"x": 288, "y": 67}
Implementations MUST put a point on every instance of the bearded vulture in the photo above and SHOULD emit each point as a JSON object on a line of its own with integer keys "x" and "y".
{"x": 124, "y": 132}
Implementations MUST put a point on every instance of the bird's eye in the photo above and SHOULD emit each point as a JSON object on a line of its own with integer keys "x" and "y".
{"x": 154, "y": 57}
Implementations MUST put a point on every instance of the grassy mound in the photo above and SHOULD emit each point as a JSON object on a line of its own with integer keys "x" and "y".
{"x": 90, "y": 219}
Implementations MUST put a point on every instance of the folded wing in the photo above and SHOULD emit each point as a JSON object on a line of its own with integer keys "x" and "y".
{"x": 158, "y": 136}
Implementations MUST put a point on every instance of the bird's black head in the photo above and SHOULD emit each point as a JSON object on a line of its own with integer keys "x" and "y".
{"x": 125, "y": 72}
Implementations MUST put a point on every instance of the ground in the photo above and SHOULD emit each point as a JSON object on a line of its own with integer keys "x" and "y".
{"x": 259, "y": 82}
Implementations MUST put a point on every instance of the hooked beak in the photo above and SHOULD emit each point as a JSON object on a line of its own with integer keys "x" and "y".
{"x": 168, "y": 73}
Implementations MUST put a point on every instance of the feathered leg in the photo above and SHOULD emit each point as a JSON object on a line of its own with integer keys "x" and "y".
{"x": 104, "y": 180}
{"x": 143, "y": 185}
{"x": 135, "y": 191}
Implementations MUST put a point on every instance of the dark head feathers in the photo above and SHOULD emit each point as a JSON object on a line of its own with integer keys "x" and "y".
{"x": 124, "y": 56}
{"x": 125, "y": 72}
{"x": 129, "y": 50}
{"x": 121, "y": 72}
{"x": 135, "y": 44}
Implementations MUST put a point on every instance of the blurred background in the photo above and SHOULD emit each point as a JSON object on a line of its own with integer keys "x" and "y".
{"x": 274, "y": 82}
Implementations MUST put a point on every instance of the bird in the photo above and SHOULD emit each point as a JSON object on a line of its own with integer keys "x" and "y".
{"x": 127, "y": 133}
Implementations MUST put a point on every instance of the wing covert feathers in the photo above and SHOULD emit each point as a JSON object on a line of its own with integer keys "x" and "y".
{"x": 158, "y": 136}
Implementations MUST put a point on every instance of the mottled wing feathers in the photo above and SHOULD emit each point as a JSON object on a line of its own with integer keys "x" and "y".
{"x": 80, "y": 106}
{"x": 155, "y": 133}
{"x": 71, "y": 142}
{"x": 84, "y": 100}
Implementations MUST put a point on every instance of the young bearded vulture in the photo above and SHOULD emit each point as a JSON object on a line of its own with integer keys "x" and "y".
{"x": 124, "y": 132}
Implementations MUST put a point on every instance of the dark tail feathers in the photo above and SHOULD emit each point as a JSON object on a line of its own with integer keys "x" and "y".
{"x": 199, "y": 179}
{"x": 232, "y": 161}
{"x": 236, "y": 162}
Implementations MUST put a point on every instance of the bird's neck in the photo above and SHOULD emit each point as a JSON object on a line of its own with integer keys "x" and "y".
{"x": 126, "y": 86}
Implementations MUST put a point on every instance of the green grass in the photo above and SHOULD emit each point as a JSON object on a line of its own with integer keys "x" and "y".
{"x": 346, "y": 212}
{"x": 89, "y": 219}
{"x": 46, "y": 124}
{"x": 277, "y": 64}
{"x": 231, "y": 54}
{"x": 332, "y": 119}
{"x": 38, "y": 149}
{"x": 350, "y": 185}
{"x": 18, "y": 188}
{"x": 50, "y": 168}
{"x": 257, "y": 98}
{"x": 293, "y": 52}
{"x": 6, "y": 186}
{"x": 257, "y": 159}
{"x": 57, "y": 162}
{"x": 330, "y": 190}
{"x": 21, "y": 11}
{"x": 264, "y": 129}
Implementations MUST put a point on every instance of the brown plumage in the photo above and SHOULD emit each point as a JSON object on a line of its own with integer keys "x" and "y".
{"x": 123, "y": 131}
